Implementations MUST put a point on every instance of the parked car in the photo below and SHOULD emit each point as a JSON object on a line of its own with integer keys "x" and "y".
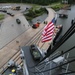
{"x": 63, "y": 16}
{"x": 6, "y": 7}
{"x": 16, "y": 8}
{"x": 4, "y": 11}
{"x": 35, "y": 52}
{"x": 18, "y": 21}
{"x": 36, "y": 25}
{"x": 10, "y": 14}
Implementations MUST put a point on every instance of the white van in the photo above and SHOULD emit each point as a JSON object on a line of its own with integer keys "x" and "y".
{"x": 6, "y": 7}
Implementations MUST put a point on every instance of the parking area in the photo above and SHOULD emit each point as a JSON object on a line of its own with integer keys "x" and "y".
{"x": 10, "y": 8}
{"x": 10, "y": 27}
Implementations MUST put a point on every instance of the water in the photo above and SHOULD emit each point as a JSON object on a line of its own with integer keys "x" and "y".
{"x": 66, "y": 25}
{"x": 40, "y": 19}
{"x": 71, "y": 41}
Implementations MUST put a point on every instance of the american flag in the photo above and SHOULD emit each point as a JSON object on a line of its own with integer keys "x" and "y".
{"x": 48, "y": 31}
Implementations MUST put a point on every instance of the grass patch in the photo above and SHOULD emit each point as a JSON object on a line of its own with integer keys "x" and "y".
{"x": 58, "y": 6}
{"x": 1, "y": 16}
{"x": 34, "y": 12}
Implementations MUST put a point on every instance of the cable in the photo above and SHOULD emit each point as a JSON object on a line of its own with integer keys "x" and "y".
{"x": 55, "y": 67}
{"x": 69, "y": 33}
{"x": 69, "y": 70}
{"x": 67, "y": 73}
{"x": 56, "y": 56}
{"x": 60, "y": 55}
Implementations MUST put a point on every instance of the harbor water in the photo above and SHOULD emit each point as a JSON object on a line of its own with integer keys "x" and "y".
{"x": 66, "y": 22}
{"x": 71, "y": 41}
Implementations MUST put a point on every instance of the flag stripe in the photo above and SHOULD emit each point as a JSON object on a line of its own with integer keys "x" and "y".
{"x": 45, "y": 40}
{"x": 47, "y": 36}
{"x": 48, "y": 31}
{"x": 51, "y": 24}
{"x": 48, "y": 25}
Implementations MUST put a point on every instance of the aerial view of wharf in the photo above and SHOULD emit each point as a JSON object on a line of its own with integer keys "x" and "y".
{"x": 22, "y": 51}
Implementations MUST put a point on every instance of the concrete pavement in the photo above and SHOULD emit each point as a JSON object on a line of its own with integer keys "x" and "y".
{"x": 9, "y": 29}
{"x": 9, "y": 49}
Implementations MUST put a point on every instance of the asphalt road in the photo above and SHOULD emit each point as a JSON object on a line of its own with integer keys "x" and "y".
{"x": 9, "y": 29}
